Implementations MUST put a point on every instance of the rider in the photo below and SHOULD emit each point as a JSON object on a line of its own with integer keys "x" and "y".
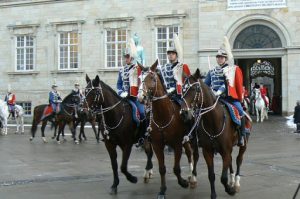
{"x": 54, "y": 99}
{"x": 10, "y": 99}
{"x": 264, "y": 93}
{"x": 175, "y": 72}
{"x": 227, "y": 82}
{"x": 127, "y": 86}
{"x": 77, "y": 91}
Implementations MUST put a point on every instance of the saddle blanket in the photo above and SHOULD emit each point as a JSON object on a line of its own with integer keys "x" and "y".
{"x": 235, "y": 116}
{"x": 48, "y": 110}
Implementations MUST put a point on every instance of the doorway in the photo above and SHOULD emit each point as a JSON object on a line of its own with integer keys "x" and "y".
{"x": 265, "y": 71}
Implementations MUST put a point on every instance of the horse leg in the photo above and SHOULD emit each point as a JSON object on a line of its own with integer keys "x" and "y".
{"x": 193, "y": 182}
{"x": 209, "y": 159}
{"x": 124, "y": 170}
{"x": 44, "y": 123}
{"x": 33, "y": 128}
{"x": 159, "y": 152}
{"x": 5, "y": 126}
{"x": 60, "y": 127}
{"x": 111, "y": 148}
{"x": 71, "y": 127}
{"x": 148, "y": 170}
{"x": 232, "y": 176}
{"x": 82, "y": 129}
{"x": 188, "y": 152}
{"x": 177, "y": 171}
{"x": 227, "y": 161}
{"x": 257, "y": 115}
{"x": 239, "y": 161}
{"x": 93, "y": 123}
{"x": 22, "y": 124}
{"x": 55, "y": 129}
{"x": 18, "y": 125}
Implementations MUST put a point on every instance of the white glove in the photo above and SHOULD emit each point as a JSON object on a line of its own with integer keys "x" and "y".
{"x": 217, "y": 93}
{"x": 124, "y": 94}
{"x": 170, "y": 90}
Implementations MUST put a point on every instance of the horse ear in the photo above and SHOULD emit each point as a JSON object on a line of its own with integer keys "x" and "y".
{"x": 87, "y": 79}
{"x": 97, "y": 80}
{"x": 197, "y": 74}
{"x": 154, "y": 66}
{"x": 140, "y": 65}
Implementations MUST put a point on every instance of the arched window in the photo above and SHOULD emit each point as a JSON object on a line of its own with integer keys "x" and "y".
{"x": 257, "y": 36}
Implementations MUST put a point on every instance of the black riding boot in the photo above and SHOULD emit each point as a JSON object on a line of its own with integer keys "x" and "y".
{"x": 141, "y": 133}
{"x": 241, "y": 141}
{"x": 13, "y": 115}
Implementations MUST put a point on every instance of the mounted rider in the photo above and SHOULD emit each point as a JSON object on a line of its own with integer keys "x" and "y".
{"x": 77, "y": 91}
{"x": 175, "y": 72}
{"x": 226, "y": 81}
{"x": 128, "y": 84}
{"x": 10, "y": 99}
{"x": 55, "y": 99}
{"x": 264, "y": 94}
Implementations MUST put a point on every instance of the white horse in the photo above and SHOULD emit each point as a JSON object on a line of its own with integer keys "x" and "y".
{"x": 260, "y": 106}
{"x": 4, "y": 114}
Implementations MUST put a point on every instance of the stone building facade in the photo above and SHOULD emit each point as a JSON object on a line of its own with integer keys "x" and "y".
{"x": 44, "y": 41}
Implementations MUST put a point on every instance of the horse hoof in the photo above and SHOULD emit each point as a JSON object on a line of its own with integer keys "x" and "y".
{"x": 133, "y": 179}
{"x": 237, "y": 189}
{"x": 193, "y": 185}
{"x": 113, "y": 191}
{"x": 76, "y": 142}
{"x": 17, "y": 132}
{"x": 30, "y": 139}
{"x": 184, "y": 184}
{"x": 58, "y": 142}
{"x": 44, "y": 140}
{"x": 160, "y": 196}
{"x": 146, "y": 180}
{"x": 231, "y": 191}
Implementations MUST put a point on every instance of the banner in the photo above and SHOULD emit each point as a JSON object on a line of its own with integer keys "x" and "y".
{"x": 254, "y": 4}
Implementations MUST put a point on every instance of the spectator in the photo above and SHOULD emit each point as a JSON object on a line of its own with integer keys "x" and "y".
{"x": 297, "y": 117}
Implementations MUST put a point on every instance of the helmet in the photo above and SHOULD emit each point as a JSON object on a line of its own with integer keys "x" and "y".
{"x": 126, "y": 52}
{"x": 76, "y": 84}
{"x": 172, "y": 49}
{"x": 221, "y": 53}
{"x": 54, "y": 86}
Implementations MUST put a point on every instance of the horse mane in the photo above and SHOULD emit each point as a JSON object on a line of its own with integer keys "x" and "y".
{"x": 67, "y": 97}
{"x": 110, "y": 89}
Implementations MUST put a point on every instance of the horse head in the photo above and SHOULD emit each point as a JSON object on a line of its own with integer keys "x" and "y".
{"x": 93, "y": 93}
{"x": 151, "y": 86}
{"x": 192, "y": 92}
{"x": 257, "y": 94}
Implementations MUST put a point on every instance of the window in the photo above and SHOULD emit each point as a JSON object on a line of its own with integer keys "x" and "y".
{"x": 24, "y": 53}
{"x": 68, "y": 51}
{"x": 164, "y": 37}
{"x": 26, "y": 106}
{"x": 257, "y": 36}
{"x": 116, "y": 40}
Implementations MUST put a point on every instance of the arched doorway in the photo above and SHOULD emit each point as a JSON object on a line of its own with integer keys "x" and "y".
{"x": 261, "y": 69}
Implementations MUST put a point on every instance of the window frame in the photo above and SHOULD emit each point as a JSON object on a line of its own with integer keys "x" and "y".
{"x": 68, "y": 45}
{"x": 168, "y": 39}
{"x": 25, "y": 47}
{"x": 116, "y": 42}
{"x": 22, "y": 103}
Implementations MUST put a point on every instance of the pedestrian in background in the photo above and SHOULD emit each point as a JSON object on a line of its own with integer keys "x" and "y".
{"x": 297, "y": 117}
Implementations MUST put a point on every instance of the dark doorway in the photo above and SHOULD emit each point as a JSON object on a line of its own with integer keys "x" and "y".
{"x": 266, "y": 71}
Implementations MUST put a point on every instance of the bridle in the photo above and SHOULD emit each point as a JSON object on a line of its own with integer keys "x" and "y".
{"x": 101, "y": 110}
{"x": 198, "y": 109}
{"x": 151, "y": 98}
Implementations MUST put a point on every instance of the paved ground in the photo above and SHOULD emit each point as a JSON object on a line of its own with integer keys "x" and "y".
{"x": 40, "y": 171}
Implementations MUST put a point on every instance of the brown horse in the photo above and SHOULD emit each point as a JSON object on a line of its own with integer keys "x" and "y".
{"x": 216, "y": 131}
{"x": 119, "y": 127}
{"x": 65, "y": 116}
{"x": 167, "y": 128}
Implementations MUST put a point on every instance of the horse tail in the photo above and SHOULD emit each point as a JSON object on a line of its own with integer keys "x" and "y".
{"x": 36, "y": 120}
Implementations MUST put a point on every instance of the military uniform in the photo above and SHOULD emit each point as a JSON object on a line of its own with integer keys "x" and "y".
{"x": 54, "y": 99}
{"x": 10, "y": 99}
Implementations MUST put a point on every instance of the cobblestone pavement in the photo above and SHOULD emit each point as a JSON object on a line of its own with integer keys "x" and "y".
{"x": 271, "y": 168}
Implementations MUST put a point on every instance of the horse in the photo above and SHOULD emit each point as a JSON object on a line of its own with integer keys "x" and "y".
{"x": 167, "y": 128}
{"x": 120, "y": 129}
{"x": 260, "y": 107}
{"x": 65, "y": 116}
{"x": 4, "y": 115}
{"x": 215, "y": 131}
